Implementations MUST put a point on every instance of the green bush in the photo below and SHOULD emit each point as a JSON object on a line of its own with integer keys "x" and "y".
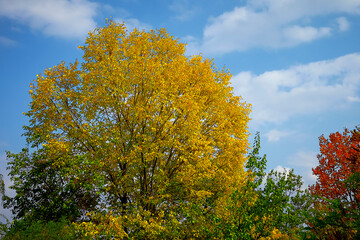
{"x": 25, "y": 229}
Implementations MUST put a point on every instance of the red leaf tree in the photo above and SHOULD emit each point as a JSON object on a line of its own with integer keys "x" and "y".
{"x": 336, "y": 214}
{"x": 339, "y": 162}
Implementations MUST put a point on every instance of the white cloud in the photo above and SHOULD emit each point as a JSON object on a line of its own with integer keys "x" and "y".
{"x": 275, "y": 135}
{"x": 7, "y": 42}
{"x": 343, "y": 23}
{"x": 273, "y": 23}
{"x": 312, "y": 88}
{"x": 297, "y": 34}
{"x": 61, "y": 18}
{"x": 281, "y": 169}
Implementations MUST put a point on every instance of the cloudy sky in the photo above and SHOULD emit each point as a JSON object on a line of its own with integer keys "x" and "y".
{"x": 297, "y": 62}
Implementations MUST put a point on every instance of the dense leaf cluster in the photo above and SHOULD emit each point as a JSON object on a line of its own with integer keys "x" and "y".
{"x": 337, "y": 191}
{"x": 267, "y": 206}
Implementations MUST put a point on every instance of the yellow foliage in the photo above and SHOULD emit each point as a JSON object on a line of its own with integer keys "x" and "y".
{"x": 107, "y": 225}
{"x": 276, "y": 234}
{"x": 155, "y": 128}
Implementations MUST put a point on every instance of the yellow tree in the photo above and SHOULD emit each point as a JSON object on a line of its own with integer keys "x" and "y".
{"x": 156, "y": 131}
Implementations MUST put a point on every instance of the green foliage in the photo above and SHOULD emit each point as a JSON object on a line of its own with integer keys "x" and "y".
{"x": 44, "y": 191}
{"x": 334, "y": 218}
{"x": 269, "y": 206}
{"x": 40, "y": 230}
{"x": 283, "y": 199}
{"x": 330, "y": 219}
{"x": 256, "y": 165}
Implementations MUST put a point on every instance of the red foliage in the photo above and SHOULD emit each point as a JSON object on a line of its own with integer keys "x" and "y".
{"x": 336, "y": 215}
{"x": 339, "y": 158}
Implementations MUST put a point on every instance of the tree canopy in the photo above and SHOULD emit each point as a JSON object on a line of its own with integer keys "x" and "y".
{"x": 140, "y": 127}
{"x": 338, "y": 186}
{"x": 339, "y": 160}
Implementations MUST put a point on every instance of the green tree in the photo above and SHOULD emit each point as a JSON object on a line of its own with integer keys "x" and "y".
{"x": 268, "y": 206}
{"x": 244, "y": 219}
{"x": 160, "y": 135}
{"x": 284, "y": 202}
{"x": 40, "y": 230}
{"x": 45, "y": 191}
{"x": 256, "y": 165}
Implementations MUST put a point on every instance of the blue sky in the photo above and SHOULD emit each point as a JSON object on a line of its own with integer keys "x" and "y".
{"x": 297, "y": 62}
